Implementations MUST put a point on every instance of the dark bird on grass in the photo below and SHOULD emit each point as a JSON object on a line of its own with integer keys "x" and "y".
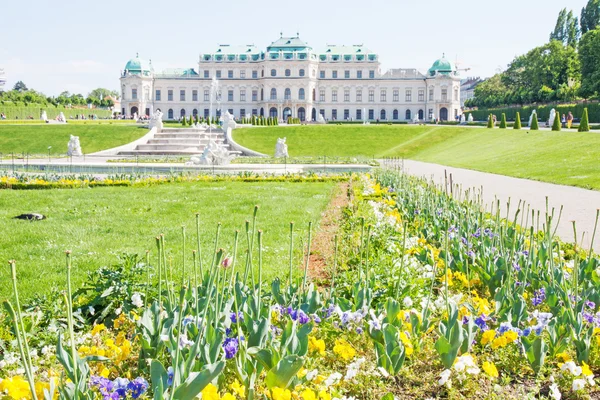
{"x": 31, "y": 217}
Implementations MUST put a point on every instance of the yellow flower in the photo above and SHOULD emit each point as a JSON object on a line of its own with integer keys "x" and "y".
{"x": 319, "y": 379}
{"x": 343, "y": 349}
{"x": 210, "y": 393}
{"x": 564, "y": 357}
{"x": 97, "y": 329}
{"x": 238, "y": 389}
{"x": 308, "y": 394}
{"x": 585, "y": 369}
{"x": 461, "y": 277}
{"x": 281, "y": 394}
{"x": 316, "y": 345}
{"x": 323, "y": 395}
{"x": 487, "y": 337}
{"x": 228, "y": 396}
{"x": 499, "y": 342}
{"x": 463, "y": 312}
{"x": 510, "y": 336}
{"x": 105, "y": 373}
{"x": 408, "y": 346}
{"x": 302, "y": 373}
{"x": 490, "y": 369}
{"x": 16, "y": 388}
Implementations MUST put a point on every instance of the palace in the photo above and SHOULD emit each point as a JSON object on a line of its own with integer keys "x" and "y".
{"x": 290, "y": 79}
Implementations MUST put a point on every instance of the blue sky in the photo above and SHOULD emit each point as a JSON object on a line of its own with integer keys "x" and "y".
{"x": 79, "y": 45}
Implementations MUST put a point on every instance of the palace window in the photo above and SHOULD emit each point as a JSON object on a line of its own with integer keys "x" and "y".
{"x": 347, "y": 74}
{"x": 322, "y": 95}
{"x": 157, "y": 95}
{"x": 230, "y": 111}
{"x": 134, "y": 94}
{"x": 372, "y": 74}
{"x": 182, "y": 113}
{"x": 396, "y": 95}
{"x": 301, "y": 72}
{"x": 242, "y": 95}
{"x": 242, "y": 113}
{"x": 206, "y": 113}
{"x": 230, "y": 74}
{"x": 170, "y": 95}
{"x": 359, "y": 74}
{"x": 206, "y": 74}
{"x": 371, "y": 97}
{"x": 243, "y": 74}
{"x": 382, "y": 114}
{"x": 395, "y": 115}
{"x": 273, "y": 94}
{"x": 230, "y": 95}
{"x": 383, "y": 95}
{"x": 322, "y": 112}
{"x": 254, "y": 74}
{"x": 347, "y": 95}
{"x": 408, "y": 95}
{"x": 206, "y": 95}
{"x": 182, "y": 95}
{"x": 334, "y": 96}
{"x": 287, "y": 94}
{"x": 444, "y": 94}
{"x": 334, "y": 74}
{"x": 218, "y": 74}
{"x": 170, "y": 113}
{"x": 301, "y": 95}
{"x": 359, "y": 114}
{"x": 195, "y": 112}
{"x": 371, "y": 114}
{"x": 430, "y": 94}
{"x": 421, "y": 95}
{"x": 255, "y": 95}
{"x": 358, "y": 95}
{"x": 273, "y": 72}
{"x": 334, "y": 115}
{"x": 322, "y": 74}
{"x": 288, "y": 72}
{"x": 255, "y": 111}
{"x": 408, "y": 115}
{"x": 346, "y": 114}
{"x": 194, "y": 95}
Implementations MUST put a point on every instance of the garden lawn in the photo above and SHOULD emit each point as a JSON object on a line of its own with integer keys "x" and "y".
{"x": 35, "y": 139}
{"x": 565, "y": 157}
{"x": 100, "y": 224}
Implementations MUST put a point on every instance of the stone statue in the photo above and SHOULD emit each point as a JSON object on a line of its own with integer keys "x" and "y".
{"x": 74, "y": 147}
{"x": 552, "y": 117}
{"x": 462, "y": 119}
{"x": 320, "y": 119}
{"x": 228, "y": 122}
{"x": 156, "y": 121}
{"x": 416, "y": 118}
{"x": 61, "y": 117}
{"x": 44, "y": 116}
{"x": 470, "y": 117}
{"x": 213, "y": 154}
{"x": 281, "y": 149}
{"x": 533, "y": 114}
{"x": 135, "y": 116}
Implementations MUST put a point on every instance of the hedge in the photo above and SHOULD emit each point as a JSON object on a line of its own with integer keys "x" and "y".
{"x": 543, "y": 111}
{"x": 24, "y": 112}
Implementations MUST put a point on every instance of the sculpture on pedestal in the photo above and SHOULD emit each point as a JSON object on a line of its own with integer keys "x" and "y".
{"x": 156, "y": 120}
{"x": 552, "y": 117}
{"x": 470, "y": 117}
{"x": 320, "y": 119}
{"x": 44, "y": 116}
{"x": 228, "y": 122}
{"x": 74, "y": 148}
{"x": 61, "y": 117}
{"x": 213, "y": 154}
{"x": 281, "y": 149}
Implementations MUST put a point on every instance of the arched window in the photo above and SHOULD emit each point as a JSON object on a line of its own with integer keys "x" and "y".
{"x": 395, "y": 115}
{"x": 301, "y": 73}
{"x": 170, "y": 113}
{"x": 182, "y": 112}
{"x": 273, "y": 112}
{"x": 288, "y": 72}
{"x": 408, "y": 115}
{"x": 195, "y": 112}
{"x": 287, "y": 94}
{"x": 273, "y": 94}
{"x": 421, "y": 114}
{"x": 273, "y": 72}
{"x": 301, "y": 94}
{"x": 382, "y": 115}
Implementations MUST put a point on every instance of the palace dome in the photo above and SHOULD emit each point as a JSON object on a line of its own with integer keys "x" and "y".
{"x": 442, "y": 66}
{"x": 138, "y": 66}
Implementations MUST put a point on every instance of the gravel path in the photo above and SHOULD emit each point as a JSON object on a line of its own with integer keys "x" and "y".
{"x": 579, "y": 205}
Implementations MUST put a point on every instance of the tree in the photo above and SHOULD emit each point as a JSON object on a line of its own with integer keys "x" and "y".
{"x": 490, "y": 123}
{"x": 589, "y": 55}
{"x": 517, "y": 121}
{"x": 20, "y": 87}
{"x": 559, "y": 32}
{"x": 572, "y": 30}
{"x": 556, "y": 123}
{"x": 503, "y": 121}
{"x": 590, "y": 16}
{"x": 584, "y": 125}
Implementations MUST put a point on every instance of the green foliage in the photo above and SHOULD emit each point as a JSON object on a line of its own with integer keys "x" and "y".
{"x": 534, "y": 124}
{"x": 590, "y": 16}
{"x": 589, "y": 53}
{"x": 584, "y": 125}
{"x": 517, "y": 124}
{"x": 556, "y": 122}
{"x": 490, "y": 123}
{"x": 542, "y": 111}
{"x": 503, "y": 121}
{"x": 566, "y": 30}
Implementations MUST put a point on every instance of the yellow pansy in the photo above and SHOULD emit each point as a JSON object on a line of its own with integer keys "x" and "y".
{"x": 16, "y": 388}
{"x": 499, "y": 342}
{"x": 308, "y": 394}
{"x": 343, "y": 349}
{"x": 510, "y": 336}
{"x": 238, "y": 389}
{"x": 564, "y": 357}
{"x": 487, "y": 337}
{"x": 408, "y": 346}
{"x": 316, "y": 345}
{"x": 585, "y": 369}
{"x": 228, "y": 396}
{"x": 210, "y": 392}
{"x": 97, "y": 329}
{"x": 490, "y": 369}
{"x": 281, "y": 394}
{"x": 323, "y": 395}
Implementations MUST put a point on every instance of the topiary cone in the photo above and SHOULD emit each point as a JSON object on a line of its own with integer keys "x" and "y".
{"x": 534, "y": 124}
{"x": 517, "y": 121}
{"x": 490, "y": 124}
{"x": 584, "y": 125}
{"x": 556, "y": 123}
{"x": 503, "y": 122}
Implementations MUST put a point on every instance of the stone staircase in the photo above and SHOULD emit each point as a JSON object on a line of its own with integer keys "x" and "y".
{"x": 183, "y": 142}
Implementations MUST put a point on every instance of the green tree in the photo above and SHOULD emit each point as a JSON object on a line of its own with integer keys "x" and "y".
{"x": 572, "y": 32}
{"x": 517, "y": 121}
{"x": 584, "y": 125}
{"x": 589, "y": 55}
{"x": 559, "y": 33}
{"x": 556, "y": 123}
{"x": 490, "y": 123}
{"x": 590, "y": 16}
{"x": 503, "y": 121}
{"x": 20, "y": 87}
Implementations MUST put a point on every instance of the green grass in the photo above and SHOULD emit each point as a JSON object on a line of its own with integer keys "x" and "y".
{"x": 35, "y": 139}
{"x": 565, "y": 157}
{"x": 100, "y": 224}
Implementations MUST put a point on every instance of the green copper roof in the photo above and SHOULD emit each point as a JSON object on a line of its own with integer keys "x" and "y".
{"x": 288, "y": 44}
{"x": 137, "y": 65}
{"x": 442, "y": 66}
{"x": 180, "y": 72}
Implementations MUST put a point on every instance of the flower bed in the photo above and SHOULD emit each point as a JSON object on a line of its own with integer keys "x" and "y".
{"x": 427, "y": 297}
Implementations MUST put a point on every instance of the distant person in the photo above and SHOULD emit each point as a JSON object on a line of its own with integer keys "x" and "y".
{"x": 569, "y": 120}
{"x": 563, "y": 120}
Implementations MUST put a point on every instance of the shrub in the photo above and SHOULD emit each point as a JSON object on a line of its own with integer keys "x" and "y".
{"x": 503, "y": 122}
{"x": 183, "y": 122}
{"x": 517, "y": 124}
{"x": 534, "y": 124}
{"x": 584, "y": 125}
{"x": 490, "y": 123}
{"x": 556, "y": 123}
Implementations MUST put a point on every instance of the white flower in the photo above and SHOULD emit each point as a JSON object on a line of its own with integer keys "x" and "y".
{"x": 354, "y": 369}
{"x": 136, "y": 300}
{"x": 590, "y": 380}
{"x": 164, "y": 338}
{"x": 407, "y": 302}
{"x": 572, "y": 368}
{"x": 118, "y": 311}
{"x": 2, "y": 364}
{"x": 554, "y": 392}
{"x": 310, "y": 375}
{"x": 445, "y": 378}
{"x": 466, "y": 363}
{"x": 383, "y": 372}
{"x": 91, "y": 310}
{"x": 578, "y": 384}
{"x": 333, "y": 379}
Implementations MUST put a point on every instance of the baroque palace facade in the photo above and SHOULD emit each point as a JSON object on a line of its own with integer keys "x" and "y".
{"x": 289, "y": 79}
